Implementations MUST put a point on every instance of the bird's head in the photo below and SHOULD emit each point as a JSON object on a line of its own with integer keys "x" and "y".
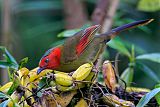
{"x": 50, "y": 60}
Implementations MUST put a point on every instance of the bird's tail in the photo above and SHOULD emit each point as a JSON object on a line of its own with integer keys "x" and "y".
{"x": 109, "y": 35}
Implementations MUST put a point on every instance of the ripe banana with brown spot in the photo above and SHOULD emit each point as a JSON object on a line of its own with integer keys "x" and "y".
{"x": 82, "y": 72}
{"x": 63, "y": 79}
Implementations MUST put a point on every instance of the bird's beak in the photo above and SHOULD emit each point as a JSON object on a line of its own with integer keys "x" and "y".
{"x": 40, "y": 69}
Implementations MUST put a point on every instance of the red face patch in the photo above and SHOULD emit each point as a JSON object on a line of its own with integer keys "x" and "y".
{"x": 51, "y": 60}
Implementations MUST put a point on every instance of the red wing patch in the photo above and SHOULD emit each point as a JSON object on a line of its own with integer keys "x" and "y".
{"x": 86, "y": 38}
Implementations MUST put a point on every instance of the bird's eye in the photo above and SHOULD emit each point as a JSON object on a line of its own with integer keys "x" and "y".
{"x": 47, "y": 60}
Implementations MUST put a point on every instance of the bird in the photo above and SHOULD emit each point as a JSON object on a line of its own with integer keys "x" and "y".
{"x": 83, "y": 47}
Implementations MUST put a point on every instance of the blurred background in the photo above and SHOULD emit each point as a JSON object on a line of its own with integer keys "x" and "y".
{"x": 30, "y": 27}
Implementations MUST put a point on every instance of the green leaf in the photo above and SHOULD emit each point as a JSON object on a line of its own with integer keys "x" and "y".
{"x": 4, "y": 64}
{"x": 146, "y": 98}
{"x": 149, "y": 5}
{"x": 155, "y": 57}
{"x": 68, "y": 33}
{"x": 148, "y": 71}
{"x": 158, "y": 95}
{"x": 4, "y": 103}
{"x": 10, "y": 61}
{"x": 23, "y": 62}
{"x": 14, "y": 86}
{"x": 2, "y": 95}
{"x": 127, "y": 75}
{"x": 117, "y": 44}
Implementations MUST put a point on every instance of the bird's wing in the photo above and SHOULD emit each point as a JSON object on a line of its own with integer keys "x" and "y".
{"x": 75, "y": 45}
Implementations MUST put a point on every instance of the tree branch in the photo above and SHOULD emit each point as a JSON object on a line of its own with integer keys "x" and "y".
{"x": 75, "y": 14}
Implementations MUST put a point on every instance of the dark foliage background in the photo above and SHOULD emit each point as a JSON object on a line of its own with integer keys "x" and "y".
{"x": 30, "y": 27}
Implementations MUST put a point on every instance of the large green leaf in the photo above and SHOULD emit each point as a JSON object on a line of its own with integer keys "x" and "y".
{"x": 149, "y": 5}
{"x": 148, "y": 71}
{"x": 158, "y": 95}
{"x": 127, "y": 75}
{"x": 146, "y": 98}
{"x": 117, "y": 44}
{"x": 155, "y": 57}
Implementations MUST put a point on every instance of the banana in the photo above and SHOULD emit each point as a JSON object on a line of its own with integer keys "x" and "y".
{"x": 52, "y": 84}
{"x": 90, "y": 77}
{"x": 57, "y": 72}
{"x": 36, "y": 77}
{"x": 64, "y": 88}
{"x": 70, "y": 88}
{"x": 82, "y": 72}
{"x": 63, "y": 79}
{"x": 6, "y": 87}
{"x": 23, "y": 74}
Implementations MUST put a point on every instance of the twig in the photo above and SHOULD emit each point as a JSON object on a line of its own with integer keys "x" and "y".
{"x": 109, "y": 17}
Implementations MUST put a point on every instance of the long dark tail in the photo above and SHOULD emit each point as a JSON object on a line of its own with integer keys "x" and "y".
{"x": 117, "y": 30}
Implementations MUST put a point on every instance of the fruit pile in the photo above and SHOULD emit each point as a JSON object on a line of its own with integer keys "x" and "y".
{"x": 53, "y": 88}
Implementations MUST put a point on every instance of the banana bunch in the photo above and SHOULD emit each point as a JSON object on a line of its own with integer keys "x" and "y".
{"x": 68, "y": 82}
{"x": 29, "y": 80}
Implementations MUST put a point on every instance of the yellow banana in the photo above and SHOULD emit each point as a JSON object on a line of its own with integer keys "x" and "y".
{"x": 6, "y": 87}
{"x": 56, "y": 72}
{"x": 64, "y": 88}
{"x": 36, "y": 77}
{"x": 70, "y": 88}
{"x": 90, "y": 77}
{"x": 82, "y": 72}
{"x": 63, "y": 79}
{"x": 23, "y": 74}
